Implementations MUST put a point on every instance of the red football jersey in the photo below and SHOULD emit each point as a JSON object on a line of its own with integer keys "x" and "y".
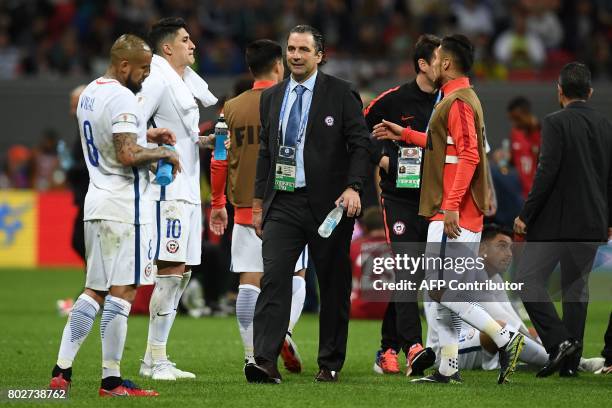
{"x": 363, "y": 249}
{"x": 525, "y": 150}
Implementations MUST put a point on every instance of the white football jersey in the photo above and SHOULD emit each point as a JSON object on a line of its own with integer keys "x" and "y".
{"x": 157, "y": 104}
{"x": 116, "y": 192}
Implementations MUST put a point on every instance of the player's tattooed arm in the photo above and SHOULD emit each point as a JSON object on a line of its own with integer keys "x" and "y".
{"x": 130, "y": 154}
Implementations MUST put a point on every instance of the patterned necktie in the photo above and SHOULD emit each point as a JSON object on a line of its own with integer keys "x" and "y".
{"x": 293, "y": 124}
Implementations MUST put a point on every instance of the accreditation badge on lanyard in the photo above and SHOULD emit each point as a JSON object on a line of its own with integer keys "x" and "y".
{"x": 409, "y": 161}
{"x": 286, "y": 166}
{"x": 409, "y": 167}
{"x": 284, "y": 174}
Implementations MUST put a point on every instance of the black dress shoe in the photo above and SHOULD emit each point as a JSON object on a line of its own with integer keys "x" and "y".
{"x": 325, "y": 375}
{"x": 565, "y": 349}
{"x": 266, "y": 373}
{"x": 568, "y": 372}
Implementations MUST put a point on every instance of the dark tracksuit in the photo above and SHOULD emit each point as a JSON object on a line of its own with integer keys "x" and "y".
{"x": 405, "y": 105}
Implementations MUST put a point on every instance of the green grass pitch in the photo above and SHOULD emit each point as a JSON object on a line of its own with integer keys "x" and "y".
{"x": 211, "y": 347}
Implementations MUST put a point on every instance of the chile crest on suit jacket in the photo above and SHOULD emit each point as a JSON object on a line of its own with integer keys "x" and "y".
{"x": 336, "y": 143}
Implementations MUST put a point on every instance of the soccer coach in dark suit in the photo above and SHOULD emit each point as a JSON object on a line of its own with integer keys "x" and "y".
{"x": 567, "y": 214}
{"x": 320, "y": 121}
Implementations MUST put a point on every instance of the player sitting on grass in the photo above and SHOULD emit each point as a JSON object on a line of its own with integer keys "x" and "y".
{"x": 476, "y": 349}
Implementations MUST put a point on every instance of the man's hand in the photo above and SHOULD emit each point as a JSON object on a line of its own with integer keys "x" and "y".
{"x": 172, "y": 157}
{"x": 451, "y": 224}
{"x": 161, "y": 136}
{"x": 351, "y": 202}
{"x": 218, "y": 220}
{"x": 258, "y": 216}
{"x": 519, "y": 226}
{"x": 492, "y": 210}
{"x": 384, "y": 164}
{"x": 388, "y": 131}
{"x": 610, "y": 234}
{"x": 208, "y": 141}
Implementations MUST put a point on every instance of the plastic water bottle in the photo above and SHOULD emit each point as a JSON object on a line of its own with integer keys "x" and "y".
{"x": 331, "y": 221}
{"x": 163, "y": 177}
{"x": 220, "y": 137}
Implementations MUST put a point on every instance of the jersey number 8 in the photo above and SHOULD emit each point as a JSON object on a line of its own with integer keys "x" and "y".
{"x": 92, "y": 151}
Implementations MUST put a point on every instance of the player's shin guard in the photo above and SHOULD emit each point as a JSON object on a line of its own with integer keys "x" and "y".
{"x": 245, "y": 309}
{"x": 182, "y": 286}
{"x": 297, "y": 301}
{"x": 534, "y": 353}
{"x": 148, "y": 358}
{"x": 162, "y": 310}
{"x": 78, "y": 326}
{"x": 113, "y": 330}
{"x": 449, "y": 346}
{"x": 476, "y": 316}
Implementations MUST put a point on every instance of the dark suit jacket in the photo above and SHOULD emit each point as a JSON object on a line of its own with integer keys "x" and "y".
{"x": 335, "y": 149}
{"x": 571, "y": 197}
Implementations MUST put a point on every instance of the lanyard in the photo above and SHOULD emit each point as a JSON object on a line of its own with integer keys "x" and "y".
{"x": 303, "y": 118}
{"x": 434, "y": 109}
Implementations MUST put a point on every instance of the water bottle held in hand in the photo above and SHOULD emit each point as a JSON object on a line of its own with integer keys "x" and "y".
{"x": 163, "y": 177}
{"x": 331, "y": 221}
{"x": 220, "y": 137}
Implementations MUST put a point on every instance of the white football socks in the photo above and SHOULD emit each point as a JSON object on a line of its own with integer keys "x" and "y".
{"x": 477, "y": 317}
{"x": 297, "y": 301}
{"x": 245, "y": 310}
{"x": 449, "y": 345}
{"x": 79, "y": 324}
{"x": 182, "y": 286}
{"x": 162, "y": 311}
{"x": 113, "y": 330}
{"x": 533, "y": 353}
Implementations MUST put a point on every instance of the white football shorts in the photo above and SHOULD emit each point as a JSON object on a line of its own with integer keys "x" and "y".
{"x": 439, "y": 246}
{"x": 118, "y": 254}
{"x": 472, "y": 356}
{"x": 179, "y": 232}
{"x": 246, "y": 251}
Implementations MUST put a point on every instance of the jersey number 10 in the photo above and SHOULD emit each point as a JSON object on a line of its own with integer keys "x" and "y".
{"x": 173, "y": 228}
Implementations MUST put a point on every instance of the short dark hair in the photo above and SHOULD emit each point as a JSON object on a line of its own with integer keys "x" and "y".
{"x": 424, "y": 48}
{"x": 163, "y": 29}
{"x": 462, "y": 50}
{"x": 520, "y": 102}
{"x": 490, "y": 231}
{"x": 575, "y": 80}
{"x": 243, "y": 83}
{"x": 316, "y": 35}
{"x": 372, "y": 219}
{"x": 261, "y": 55}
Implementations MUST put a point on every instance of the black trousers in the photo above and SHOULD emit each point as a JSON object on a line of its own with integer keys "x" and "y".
{"x": 538, "y": 261}
{"x": 607, "y": 351}
{"x": 407, "y": 233}
{"x": 290, "y": 225}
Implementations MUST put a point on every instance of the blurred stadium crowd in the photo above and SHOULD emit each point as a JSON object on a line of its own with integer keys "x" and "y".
{"x": 515, "y": 39}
